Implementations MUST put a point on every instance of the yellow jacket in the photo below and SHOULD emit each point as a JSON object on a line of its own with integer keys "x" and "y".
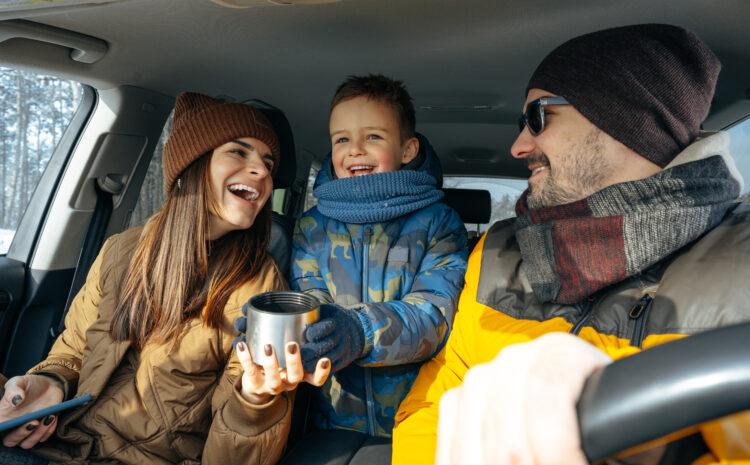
{"x": 497, "y": 308}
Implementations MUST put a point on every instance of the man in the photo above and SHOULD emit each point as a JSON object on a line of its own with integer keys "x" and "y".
{"x": 629, "y": 236}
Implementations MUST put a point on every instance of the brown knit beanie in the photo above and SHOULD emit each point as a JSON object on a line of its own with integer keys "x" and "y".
{"x": 202, "y": 123}
{"x": 648, "y": 86}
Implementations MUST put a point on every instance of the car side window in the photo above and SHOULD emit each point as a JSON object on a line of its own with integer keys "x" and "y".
{"x": 35, "y": 111}
{"x": 739, "y": 147}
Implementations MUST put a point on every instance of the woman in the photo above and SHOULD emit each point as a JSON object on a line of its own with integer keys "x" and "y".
{"x": 150, "y": 334}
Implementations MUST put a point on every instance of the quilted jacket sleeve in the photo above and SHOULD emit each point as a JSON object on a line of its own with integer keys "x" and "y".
{"x": 243, "y": 433}
{"x": 415, "y": 328}
{"x": 64, "y": 359}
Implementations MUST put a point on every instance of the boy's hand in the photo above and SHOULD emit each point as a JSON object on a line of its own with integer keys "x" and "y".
{"x": 338, "y": 336}
{"x": 240, "y": 324}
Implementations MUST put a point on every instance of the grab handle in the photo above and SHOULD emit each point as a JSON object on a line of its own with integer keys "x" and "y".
{"x": 85, "y": 49}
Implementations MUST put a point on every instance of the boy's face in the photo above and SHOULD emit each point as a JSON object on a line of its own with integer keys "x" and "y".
{"x": 365, "y": 138}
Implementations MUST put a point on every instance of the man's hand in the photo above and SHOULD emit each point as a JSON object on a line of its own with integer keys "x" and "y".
{"x": 520, "y": 408}
{"x": 26, "y": 394}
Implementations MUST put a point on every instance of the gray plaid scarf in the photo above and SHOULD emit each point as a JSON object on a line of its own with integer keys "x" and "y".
{"x": 571, "y": 251}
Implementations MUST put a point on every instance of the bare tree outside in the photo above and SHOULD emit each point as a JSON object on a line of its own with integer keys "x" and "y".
{"x": 152, "y": 194}
{"x": 35, "y": 111}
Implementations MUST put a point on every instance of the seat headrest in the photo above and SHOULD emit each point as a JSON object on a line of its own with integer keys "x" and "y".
{"x": 288, "y": 161}
{"x": 472, "y": 205}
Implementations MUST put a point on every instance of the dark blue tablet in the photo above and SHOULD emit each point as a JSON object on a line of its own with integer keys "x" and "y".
{"x": 18, "y": 421}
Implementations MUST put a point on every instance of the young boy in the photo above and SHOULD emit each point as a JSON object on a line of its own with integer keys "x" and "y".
{"x": 384, "y": 254}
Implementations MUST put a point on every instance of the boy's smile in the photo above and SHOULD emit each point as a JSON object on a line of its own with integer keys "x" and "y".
{"x": 366, "y": 138}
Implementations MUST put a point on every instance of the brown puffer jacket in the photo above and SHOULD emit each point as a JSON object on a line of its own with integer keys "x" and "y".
{"x": 164, "y": 404}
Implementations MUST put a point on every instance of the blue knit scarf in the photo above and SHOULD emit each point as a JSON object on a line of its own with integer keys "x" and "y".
{"x": 378, "y": 197}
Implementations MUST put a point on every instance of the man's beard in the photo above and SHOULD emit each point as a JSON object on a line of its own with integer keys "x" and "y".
{"x": 578, "y": 173}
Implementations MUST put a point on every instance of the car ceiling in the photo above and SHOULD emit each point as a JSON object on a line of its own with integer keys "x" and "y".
{"x": 465, "y": 62}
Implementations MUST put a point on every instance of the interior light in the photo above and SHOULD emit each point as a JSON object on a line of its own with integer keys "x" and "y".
{"x": 460, "y": 107}
{"x": 302, "y": 2}
{"x": 251, "y": 3}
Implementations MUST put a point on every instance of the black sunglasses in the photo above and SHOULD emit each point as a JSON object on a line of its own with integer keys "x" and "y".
{"x": 534, "y": 116}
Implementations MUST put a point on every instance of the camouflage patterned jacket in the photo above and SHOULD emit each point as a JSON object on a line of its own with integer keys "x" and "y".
{"x": 405, "y": 294}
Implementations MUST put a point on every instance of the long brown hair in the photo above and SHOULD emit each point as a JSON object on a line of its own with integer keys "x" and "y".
{"x": 176, "y": 272}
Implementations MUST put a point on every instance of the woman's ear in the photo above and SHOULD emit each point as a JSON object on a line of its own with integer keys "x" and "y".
{"x": 410, "y": 150}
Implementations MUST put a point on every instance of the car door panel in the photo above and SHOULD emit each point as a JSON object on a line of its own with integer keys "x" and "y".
{"x": 115, "y": 138}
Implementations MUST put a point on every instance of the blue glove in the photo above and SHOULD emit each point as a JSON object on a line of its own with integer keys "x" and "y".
{"x": 240, "y": 324}
{"x": 338, "y": 335}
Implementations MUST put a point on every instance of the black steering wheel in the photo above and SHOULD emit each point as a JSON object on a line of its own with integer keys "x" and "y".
{"x": 665, "y": 389}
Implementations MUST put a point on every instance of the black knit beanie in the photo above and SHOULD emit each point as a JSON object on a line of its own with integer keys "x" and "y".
{"x": 649, "y": 86}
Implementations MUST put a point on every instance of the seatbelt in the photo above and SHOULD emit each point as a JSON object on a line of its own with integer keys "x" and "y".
{"x": 105, "y": 188}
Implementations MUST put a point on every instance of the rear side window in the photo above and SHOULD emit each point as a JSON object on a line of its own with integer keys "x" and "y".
{"x": 739, "y": 147}
{"x": 504, "y": 192}
{"x": 35, "y": 111}
{"x": 152, "y": 195}
{"x": 310, "y": 199}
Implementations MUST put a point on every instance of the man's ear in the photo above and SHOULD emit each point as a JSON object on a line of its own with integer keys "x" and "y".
{"x": 410, "y": 150}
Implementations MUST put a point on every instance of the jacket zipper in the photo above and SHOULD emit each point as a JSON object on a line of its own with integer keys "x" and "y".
{"x": 368, "y": 374}
{"x": 588, "y": 308}
{"x": 638, "y": 313}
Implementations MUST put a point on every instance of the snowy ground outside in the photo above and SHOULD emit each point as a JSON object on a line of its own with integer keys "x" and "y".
{"x": 6, "y": 235}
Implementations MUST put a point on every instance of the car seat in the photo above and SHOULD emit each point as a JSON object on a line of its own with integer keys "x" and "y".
{"x": 282, "y": 226}
{"x": 474, "y": 206}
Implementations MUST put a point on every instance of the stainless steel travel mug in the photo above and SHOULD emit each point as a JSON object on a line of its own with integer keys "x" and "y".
{"x": 277, "y": 318}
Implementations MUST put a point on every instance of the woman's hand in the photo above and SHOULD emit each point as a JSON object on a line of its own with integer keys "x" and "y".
{"x": 261, "y": 382}
{"x": 26, "y": 394}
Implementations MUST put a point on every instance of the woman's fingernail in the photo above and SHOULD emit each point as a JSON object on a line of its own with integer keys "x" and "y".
{"x": 267, "y": 349}
{"x": 292, "y": 348}
{"x": 241, "y": 346}
{"x": 324, "y": 364}
{"x": 49, "y": 419}
{"x": 17, "y": 399}
{"x": 31, "y": 427}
